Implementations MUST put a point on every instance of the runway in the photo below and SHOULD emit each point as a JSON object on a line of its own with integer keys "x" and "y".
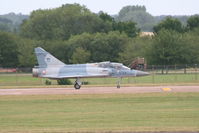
{"x": 98, "y": 90}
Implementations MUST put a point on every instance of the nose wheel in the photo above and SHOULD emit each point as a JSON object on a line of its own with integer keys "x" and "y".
{"x": 77, "y": 84}
{"x": 118, "y": 86}
{"x": 118, "y": 82}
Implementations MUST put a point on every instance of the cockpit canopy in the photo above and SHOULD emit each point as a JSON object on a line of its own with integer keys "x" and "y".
{"x": 113, "y": 65}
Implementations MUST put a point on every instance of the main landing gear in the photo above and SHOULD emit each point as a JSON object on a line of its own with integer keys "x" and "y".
{"x": 77, "y": 84}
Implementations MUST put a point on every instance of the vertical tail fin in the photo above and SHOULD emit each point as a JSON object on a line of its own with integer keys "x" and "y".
{"x": 45, "y": 59}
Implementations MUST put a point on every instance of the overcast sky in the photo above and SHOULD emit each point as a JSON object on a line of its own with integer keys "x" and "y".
{"x": 155, "y": 7}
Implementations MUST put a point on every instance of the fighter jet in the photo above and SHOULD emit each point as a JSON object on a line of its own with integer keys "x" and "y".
{"x": 52, "y": 68}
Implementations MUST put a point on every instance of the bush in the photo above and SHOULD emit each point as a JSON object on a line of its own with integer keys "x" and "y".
{"x": 85, "y": 83}
{"x": 64, "y": 82}
{"x": 48, "y": 82}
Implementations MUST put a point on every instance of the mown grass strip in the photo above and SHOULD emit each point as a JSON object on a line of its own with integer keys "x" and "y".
{"x": 97, "y": 113}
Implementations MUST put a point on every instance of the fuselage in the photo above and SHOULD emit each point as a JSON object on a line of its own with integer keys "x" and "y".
{"x": 103, "y": 69}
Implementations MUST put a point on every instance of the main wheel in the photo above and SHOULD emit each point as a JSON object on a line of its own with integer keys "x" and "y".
{"x": 77, "y": 86}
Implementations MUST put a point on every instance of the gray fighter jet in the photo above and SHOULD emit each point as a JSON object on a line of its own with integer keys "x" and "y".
{"x": 52, "y": 68}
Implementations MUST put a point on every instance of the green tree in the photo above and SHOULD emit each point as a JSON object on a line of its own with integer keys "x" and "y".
{"x": 135, "y": 48}
{"x": 106, "y": 47}
{"x": 26, "y": 54}
{"x": 193, "y": 22}
{"x": 101, "y": 46}
{"x": 168, "y": 48}
{"x": 192, "y": 41}
{"x": 80, "y": 56}
{"x": 169, "y": 24}
{"x": 8, "y": 50}
{"x": 5, "y": 24}
{"x": 105, "y": 17}
{"x": 137, "y": 14}
{"x": 4, "y": 27}
{"x": 127, "y": 27}
{"x": 78, "y": 41}
{"x": 62, "y": 23}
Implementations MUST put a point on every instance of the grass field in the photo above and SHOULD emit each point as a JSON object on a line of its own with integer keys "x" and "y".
{"x": 28, "y": 80}
{"x": 100, "y": 113}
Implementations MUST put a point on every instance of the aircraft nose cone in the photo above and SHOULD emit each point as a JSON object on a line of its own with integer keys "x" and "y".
{"x": 141, "y": 73}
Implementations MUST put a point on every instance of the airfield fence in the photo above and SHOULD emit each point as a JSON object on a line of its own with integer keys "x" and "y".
{"x": 172, "y": 74}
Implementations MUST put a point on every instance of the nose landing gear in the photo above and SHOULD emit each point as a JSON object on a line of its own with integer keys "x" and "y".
{"x": 118, "y": 82}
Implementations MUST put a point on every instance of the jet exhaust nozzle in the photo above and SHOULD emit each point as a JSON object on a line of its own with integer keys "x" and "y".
{"x": 35, "y": 72}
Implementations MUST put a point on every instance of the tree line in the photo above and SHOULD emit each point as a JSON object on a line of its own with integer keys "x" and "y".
{"x": 74, "y": 34}
{"x": 145, "y": 21}
{"x": 11, "y": 22}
